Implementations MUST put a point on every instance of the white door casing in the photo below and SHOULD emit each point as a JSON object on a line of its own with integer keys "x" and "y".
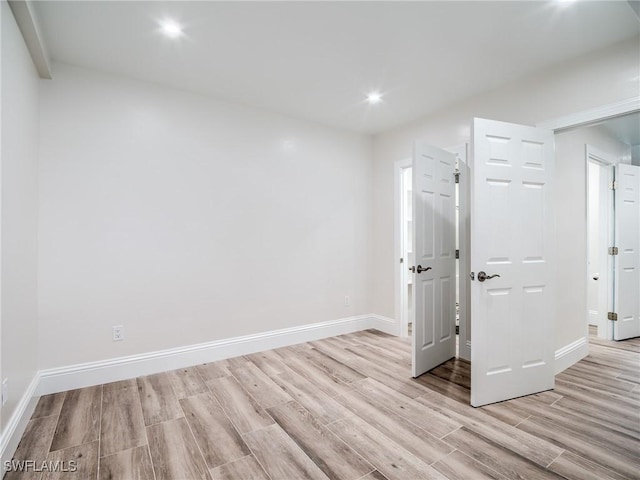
{"x": 627, "y": 262}
{"x": 512, "y": 235}
{"x": 434, "y": 336}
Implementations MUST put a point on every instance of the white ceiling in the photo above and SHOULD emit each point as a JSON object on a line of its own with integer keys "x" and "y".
{"x": 317, "y": 60}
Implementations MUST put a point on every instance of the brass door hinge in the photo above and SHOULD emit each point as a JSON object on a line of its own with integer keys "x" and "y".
{"x": 613, "y": 250}
{"x": 612, "y": 316}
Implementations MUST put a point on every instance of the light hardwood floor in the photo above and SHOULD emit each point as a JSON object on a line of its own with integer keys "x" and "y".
{"x": 343, "y": 408}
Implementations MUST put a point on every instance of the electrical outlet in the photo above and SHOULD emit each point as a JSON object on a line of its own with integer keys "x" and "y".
{"x": 118, "y": 333}
{"x": 5, "y": 391}
{"x": 347, "y": 301}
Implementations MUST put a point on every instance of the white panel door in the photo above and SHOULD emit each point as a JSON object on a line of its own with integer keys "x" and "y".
{"x": 627, "y": 262}
{"x": 512, "y": 259}
{"x": 434, "y": 328}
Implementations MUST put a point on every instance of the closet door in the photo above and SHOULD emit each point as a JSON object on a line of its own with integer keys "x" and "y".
{"x": 627, "y": 262}
{"x": 512, "y": 259}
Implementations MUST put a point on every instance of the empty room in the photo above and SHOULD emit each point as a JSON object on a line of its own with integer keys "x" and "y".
{"x": 320, "y": 240}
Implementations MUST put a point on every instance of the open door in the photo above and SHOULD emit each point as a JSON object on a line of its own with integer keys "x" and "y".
{"x": 627, "y": 261}
{"x": 512, "y": 258}
{"x": 434, "y": 331}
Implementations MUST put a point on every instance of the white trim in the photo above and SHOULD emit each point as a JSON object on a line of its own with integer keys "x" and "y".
{"x": 30, "y": 29}
{"x": 571, "y": 354}
{"x": 592, "y": 115}
{"x": 386, "y": 325}
{"x": 10, "y": 437}
{"x": 599, "y": 156}
{"x": 95, "y": 373}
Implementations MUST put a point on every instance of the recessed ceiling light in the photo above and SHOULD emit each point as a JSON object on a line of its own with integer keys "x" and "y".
{"x": 171, "y": 29}
{"x": 374, "y": 97}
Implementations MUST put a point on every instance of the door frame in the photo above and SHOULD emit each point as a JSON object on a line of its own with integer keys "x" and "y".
{"x": 606, "y": 163}
{"x": 401, "y": 270}
{"x": 464, "y": 246}
{"x": 588, "y": 117}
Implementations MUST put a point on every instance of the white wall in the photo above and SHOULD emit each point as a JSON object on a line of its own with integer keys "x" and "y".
{"x": 19, "y": 181}
{"x": 187, "y": 219}
{"x": 598, "y": 79}
{"x": 635, "y": 155}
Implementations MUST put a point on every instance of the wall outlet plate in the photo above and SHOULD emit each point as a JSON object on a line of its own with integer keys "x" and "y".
{"x": 118, "y": 333}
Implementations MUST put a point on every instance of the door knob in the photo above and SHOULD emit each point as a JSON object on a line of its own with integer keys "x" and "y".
{"x": 420, "y": 269}
{"x": 596, "y": 277}
{"x": 482, "y": 276}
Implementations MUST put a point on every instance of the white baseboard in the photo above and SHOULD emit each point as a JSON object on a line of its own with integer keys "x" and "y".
{"x": 95, "y": 373}
{"x": 571, "y": 354}
{"x": 10, "y": 437}
{"x": 385, "y": 324}
{"x": 464, "y": 351}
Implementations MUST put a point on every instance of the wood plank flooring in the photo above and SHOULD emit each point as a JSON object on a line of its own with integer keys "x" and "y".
{"x": 342, "y": 408}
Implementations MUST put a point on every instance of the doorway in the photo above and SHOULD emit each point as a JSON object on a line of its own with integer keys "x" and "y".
{"x": 499, "y": 147}
{"x": 603, "y": 148}
{"x": 403, "y": 245}
{"x": 404, "y": 248}
{"x": 513, "y": 174}
{"x": 599, "y": 166}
